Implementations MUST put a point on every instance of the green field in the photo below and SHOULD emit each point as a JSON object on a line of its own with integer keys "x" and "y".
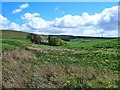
{"x": 81, "y": 63}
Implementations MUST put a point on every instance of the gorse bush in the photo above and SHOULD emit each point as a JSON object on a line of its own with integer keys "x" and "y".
{"x": 55, "y": 41}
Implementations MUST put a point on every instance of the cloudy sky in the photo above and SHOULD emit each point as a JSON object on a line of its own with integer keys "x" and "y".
{"x": 78, "y": 18}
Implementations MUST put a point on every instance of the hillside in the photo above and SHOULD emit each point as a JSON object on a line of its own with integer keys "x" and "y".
{"x": 81, "y": 63}
{"x": 19, "y": 34}
{"x": 13, "y": 34}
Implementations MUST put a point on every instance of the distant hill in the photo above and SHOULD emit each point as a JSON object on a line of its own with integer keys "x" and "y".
{"x": 69, "y": 37}
{"x": 13, "y": 34}
{"x": 19, "y": 34}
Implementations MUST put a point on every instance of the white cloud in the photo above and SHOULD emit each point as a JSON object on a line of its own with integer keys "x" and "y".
{"x": 98, "y": 24}
{"x": 3, "y": 22}
{"x": 68, "y": 21}
{"x": 21, "y": 7}
{"x": 107, "y": 19}
{"x": 33, "y": 21}
{"x": 29, "y": 16}
{"x": 14, "y": 26}
{"x": 16, "y": 11}
{"x": 6, "y": 24}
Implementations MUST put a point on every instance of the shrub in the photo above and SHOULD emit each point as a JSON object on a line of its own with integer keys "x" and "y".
{"x": 34, "y": 38}
{"x": 55, "y": 41}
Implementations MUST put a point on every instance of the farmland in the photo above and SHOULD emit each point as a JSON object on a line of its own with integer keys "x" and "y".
{"x": 80, "y": 63}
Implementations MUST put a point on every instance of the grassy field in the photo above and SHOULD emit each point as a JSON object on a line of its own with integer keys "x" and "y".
{"x": 81, "y": 63}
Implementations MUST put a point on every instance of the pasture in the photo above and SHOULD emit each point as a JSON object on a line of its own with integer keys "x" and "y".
{"x": 80, "y": 63}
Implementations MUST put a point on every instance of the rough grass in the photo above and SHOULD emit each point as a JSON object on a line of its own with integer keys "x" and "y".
{"x": 87, "y": 43}
{"x": 108, "y": 44}
{"x": 17, "y": 68}
{"x": 15, "y": 43}
{"x": 23, "y": 69}
{"x": 91, "y": 63}
{"x": 13, "y": 34}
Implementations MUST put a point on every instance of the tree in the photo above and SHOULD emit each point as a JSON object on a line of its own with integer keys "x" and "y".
{"x": 30, "y": 36}
{"x": 34, "y": 38}
{"x": 55, "y": 41}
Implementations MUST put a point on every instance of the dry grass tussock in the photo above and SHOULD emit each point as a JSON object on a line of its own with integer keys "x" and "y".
{"x": 21, "y": 69}
{"x": 17, "y": 68}
{"x": 46, "y": 50}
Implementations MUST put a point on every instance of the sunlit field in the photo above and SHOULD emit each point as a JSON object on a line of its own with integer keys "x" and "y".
{"x": 80, "y": 63}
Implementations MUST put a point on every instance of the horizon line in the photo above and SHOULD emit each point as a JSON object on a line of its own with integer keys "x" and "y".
{"x": 63, "y": 34}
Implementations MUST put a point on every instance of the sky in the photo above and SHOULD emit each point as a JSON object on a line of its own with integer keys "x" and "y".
{"x": 65, "y": 18}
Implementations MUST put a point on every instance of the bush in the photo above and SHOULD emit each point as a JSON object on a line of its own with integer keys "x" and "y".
{"x": 34, "y": 38}
{"x": 55, "y": 41}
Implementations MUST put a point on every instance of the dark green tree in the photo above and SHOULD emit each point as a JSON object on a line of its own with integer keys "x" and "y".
{"x": 34, "y": 38}
{"x": 55, "y": 41}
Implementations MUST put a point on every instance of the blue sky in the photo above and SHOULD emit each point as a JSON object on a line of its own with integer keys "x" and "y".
{"x": 66, "y": 12}
{"x": 47, "y": 9}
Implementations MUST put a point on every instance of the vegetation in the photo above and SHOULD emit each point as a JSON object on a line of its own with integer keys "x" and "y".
{"x": 80, "y": 63}
{"x": 56, "y": 41}
{"x": 51, "y": 40}
{"x": 38, "y": 39}
{"x": 34, "y": 38}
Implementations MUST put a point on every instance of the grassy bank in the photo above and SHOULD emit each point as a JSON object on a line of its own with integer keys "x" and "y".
{"x": 81, "y": 63}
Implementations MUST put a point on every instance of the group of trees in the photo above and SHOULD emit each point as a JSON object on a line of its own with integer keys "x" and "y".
{"x": 34, "y": 38}
{"x": 51, "y": 40}
{"x": 55, "y": 41}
